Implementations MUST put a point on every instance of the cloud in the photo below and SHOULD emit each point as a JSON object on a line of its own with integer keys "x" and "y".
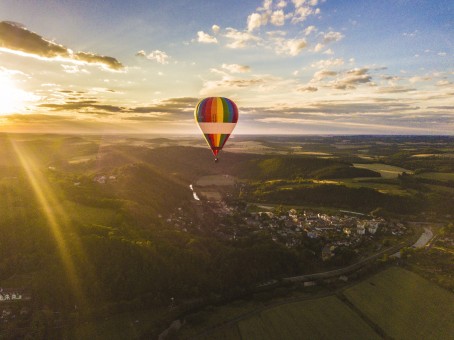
{"x": 322, "y": 74}
{"x": 395, "y": 89}
{"x": 278, "y": 18}
{"x": 229, "y": 83}
{"x": 215, "y": 29}
{"x": 351, "y": 78}
{"x": 82, "y": 106}
{"x": 318, "y": 47}
{"x": 418, "y": 79}
{"x": 307, "y": 89}
{"x": 332, "y": 36}
{"x": 302, "y": 13}
{"x": 255, "y": 20}
{"x": 169, "y": 106}
{"x": 35, "y": 117}
{"x": 328, "y": 63}
{"x": 239, "y": 39}
{"x": 310, "y": 29}
{"x": 205, "y": 38}
{"x": 281, "y": 4}
{"x": 17, "y": 39}
{"x": 157, "y": 55}
{"x": 74, "y": 69}
{"x": 236, "y": 68}
{"x": 442, "y": 107}
{"x": 290, "y": 47}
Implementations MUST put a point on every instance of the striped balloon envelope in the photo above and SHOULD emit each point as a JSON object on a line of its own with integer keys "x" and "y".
{"x": 216, "y": 117}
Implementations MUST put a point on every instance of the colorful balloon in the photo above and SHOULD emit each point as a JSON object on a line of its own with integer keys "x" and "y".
{"x": 216, "y": 117}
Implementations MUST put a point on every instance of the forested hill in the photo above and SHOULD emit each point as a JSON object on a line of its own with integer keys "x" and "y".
{"x": 191, "y": 163}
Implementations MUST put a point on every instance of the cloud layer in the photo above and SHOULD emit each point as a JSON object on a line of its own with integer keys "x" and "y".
{"x": 16, "y": 38}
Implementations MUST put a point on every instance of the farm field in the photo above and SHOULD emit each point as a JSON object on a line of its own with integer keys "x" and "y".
{"x": 324, "y": 318}
{"x": 385, "y": 188}
{"x": 439, "y": 176}
{"x": 386, "y": 171}
{"x": 405, "y": 305}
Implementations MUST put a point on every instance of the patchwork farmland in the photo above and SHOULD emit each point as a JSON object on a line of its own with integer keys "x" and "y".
{"x": 395, "y": 303}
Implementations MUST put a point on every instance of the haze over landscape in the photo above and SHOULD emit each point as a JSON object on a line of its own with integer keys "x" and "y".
{"x": 328, "y": 214}
{"x": 300, "y": 67}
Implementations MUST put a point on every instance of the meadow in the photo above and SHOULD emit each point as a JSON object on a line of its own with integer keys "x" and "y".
{"x": 398, "y": 302}
{"x": 405, "y": 305}
{"x": 386, "y": 171}
{"x": 323, "y": 318}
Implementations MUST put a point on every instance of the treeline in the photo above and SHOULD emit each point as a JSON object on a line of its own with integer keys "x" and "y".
{"x": 340, "y": 196}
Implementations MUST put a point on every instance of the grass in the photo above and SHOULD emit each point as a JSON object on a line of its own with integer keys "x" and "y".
{"x": 133, "y": 325}
{"x": 386, "y": 188}
{"x": 91, "y": 215}
{"x": 386, "y": 171}
{"x": 323, "y": 318}
{"x": 405, "y": 305}
{"x": 439, "y": 176}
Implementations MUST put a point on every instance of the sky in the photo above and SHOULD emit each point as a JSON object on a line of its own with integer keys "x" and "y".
{"x": 291, "y": 66}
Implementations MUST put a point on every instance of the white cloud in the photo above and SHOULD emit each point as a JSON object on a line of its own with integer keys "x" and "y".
{"x": 74, "y": 69}
{"x": 215, "y": 29}
{"x": 281, "y": 4}
{"x": 291, "y": 46}
{"x": 239, "y": 39}
{"x": 417, "y": 79}
{"x": 157, "y": 55}
{"x": 236, "y": 68}
{"x": 308, "y": 30}
{"x": 318, "y": 47}
{"x": 329, "y": 51}
{"x": 332, "y": 36}
{"x": 205, "y": 38}
{"x": 322, "y": 74}
{"x": 298, "y": 3}
{"x": 278, "y": 18}
{"x": 328, "y": 63}
{"x": 301, "y": 14}
{"x": 255, "y": 20}
{"x": 267, "y": 4}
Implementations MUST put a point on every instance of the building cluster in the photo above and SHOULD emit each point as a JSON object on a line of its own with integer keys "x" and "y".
{"x": 102, "y": 179}
{"x": 12, "y": 305}
{"x": 316, "y": 225}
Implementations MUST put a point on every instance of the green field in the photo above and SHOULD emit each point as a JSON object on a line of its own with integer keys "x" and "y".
{"x": 385, "y": 188}
{"x": 386, "y": 171}
{"x": 399, "y": 302}
{"x": 405, "y": 305}
{"x": 324, "y": 318}
{"x": 439, "y": 176}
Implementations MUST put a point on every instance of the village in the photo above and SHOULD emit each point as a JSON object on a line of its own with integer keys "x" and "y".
{"x": 364, "y": 234}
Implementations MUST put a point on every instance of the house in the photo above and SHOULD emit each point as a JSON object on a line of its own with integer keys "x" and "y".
{"x": 361, "y": 229}
{"x": 372, "y": 227}
{"x": 312, "y": 234}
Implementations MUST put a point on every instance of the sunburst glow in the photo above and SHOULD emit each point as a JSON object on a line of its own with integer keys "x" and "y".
{"x": 12, "y": 98}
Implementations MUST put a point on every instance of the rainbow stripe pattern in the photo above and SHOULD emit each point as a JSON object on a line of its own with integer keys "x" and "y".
{"x": 216, "y": 117}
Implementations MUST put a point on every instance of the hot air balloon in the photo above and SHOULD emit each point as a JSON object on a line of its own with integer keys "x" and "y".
{"x": 216, "y": 117}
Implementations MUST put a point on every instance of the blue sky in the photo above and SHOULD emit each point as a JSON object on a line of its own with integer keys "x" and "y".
{"x": 293, "y": 66}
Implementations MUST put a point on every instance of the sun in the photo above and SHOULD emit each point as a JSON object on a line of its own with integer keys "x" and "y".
{"x": 12, "y": 98}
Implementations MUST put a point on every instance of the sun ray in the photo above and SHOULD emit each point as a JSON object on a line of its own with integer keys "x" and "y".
{"x": 55, "y": 216}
